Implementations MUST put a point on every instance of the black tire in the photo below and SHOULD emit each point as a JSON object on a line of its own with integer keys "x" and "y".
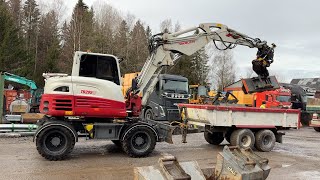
{"x": 214, "y": 138}
{"x": 316, "y": 129}
{"x": 242, "y": 138}
{"x": 265, "y": 140}
{"x": 55, "y": 143}
{"x": 148, "y": 115}
{"x": 139, "y": 141}
{"x": 117, "y": 142}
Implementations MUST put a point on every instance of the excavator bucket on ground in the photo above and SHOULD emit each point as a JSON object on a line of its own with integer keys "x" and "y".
{"x": 241, "y": 164}
{"x": 235, "y": 164}
{"x": 259, "y": 84}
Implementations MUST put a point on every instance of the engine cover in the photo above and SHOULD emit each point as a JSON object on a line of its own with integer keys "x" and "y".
{"x": 82, "y": 96}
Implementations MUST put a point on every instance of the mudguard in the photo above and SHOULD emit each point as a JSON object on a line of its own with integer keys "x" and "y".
{"x": 48, "y": 123}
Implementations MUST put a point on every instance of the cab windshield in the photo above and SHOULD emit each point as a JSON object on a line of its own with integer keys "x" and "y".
{"x": 283, "y": 98}
{"x": 174, "y": 86}
{"x": 203, "y": 91}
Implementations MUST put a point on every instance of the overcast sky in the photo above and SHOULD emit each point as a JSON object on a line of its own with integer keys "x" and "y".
{"x": 291, "y": 24}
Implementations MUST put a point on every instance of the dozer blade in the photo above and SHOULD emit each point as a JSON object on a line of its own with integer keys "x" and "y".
{"x": 259, "y": 84}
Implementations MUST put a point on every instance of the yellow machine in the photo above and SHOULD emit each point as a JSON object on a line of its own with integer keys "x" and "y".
{"x": 199, "y": 94}
{"x": 244, "y": 99}
{"x": 203, "y": 95}
{"x": 127, "y": 81}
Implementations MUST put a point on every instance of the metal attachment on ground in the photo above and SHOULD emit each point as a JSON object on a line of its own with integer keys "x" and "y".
{"x": 169, "y": 168}
{"x": 240, "y": 164}
{"x": 236, "y": 164}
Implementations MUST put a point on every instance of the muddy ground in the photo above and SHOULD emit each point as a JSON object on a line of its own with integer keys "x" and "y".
{"x": 297, "y": 158}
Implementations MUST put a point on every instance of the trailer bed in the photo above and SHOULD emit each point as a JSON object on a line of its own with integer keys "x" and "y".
{"x": 241, "y": 117}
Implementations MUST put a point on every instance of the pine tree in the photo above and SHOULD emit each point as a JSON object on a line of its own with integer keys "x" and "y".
{"x": 30, "y": 25}
{"x": 49, "y": 48}
{"x": 121, "y": 43}
{"x": 78, "y": 35}
{"x": 138, "y": 48}
{"x": 12, "y": 54}
{"x": 15, "y": 9}
{"x": 200, "y": 68}
{"x": 193, "y": 67}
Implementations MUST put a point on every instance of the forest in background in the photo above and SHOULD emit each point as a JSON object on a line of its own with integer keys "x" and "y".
{"x": 35, "y": 40}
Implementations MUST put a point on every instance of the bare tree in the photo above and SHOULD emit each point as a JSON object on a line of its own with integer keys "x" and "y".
{"x": 106, "y": 15}
{"x": 166, "y": 25}
{"x": 177, "y": 26}
{"x": 221, "y": 67}
{"x": 58, "y": 6}
{"x": 249, "y": 72}
{"x": 130, "y": 20}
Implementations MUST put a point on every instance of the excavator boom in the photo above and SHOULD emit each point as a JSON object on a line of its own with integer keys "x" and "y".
{"x": 166, "y": 48}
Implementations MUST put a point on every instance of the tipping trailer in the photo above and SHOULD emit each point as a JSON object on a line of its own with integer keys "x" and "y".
{"x": 241, "y": 126}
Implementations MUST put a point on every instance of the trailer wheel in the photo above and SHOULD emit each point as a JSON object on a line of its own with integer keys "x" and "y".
{"x": 139, "y": 141}
{"x": 243, "y": 138}
{"x": 316, "y": 129}
{"x": 265, "y": 140}
{"x": 55, "y": 143}
{"x": 149, "y": 114}
{"x": 214, "y": 138}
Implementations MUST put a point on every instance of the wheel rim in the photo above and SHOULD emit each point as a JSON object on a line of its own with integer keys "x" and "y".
{"x": 148, "y": 115}
{"x": 140, "y": 141}
{"x": 266, "y": 140}
{"x": 55, "y": 141}
{"x": 246, "y": 141}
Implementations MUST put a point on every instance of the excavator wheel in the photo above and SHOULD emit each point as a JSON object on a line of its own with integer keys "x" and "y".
{"x": 214, "y": 138}
{"x": 55, "y": 143}
{"x": 139, "y": 141}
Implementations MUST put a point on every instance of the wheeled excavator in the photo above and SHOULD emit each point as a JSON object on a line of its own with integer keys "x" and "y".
{"x": 90, "y": 101}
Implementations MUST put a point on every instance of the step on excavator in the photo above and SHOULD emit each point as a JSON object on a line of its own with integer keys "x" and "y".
{"x": 89, "y": 102}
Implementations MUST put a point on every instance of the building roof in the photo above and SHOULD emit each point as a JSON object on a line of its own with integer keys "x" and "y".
{"x": 313, "y": 83}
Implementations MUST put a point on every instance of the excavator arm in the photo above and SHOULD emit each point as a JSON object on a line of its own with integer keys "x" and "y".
{"x": 166, "y": 48}
{"x": 20, "y": 80}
